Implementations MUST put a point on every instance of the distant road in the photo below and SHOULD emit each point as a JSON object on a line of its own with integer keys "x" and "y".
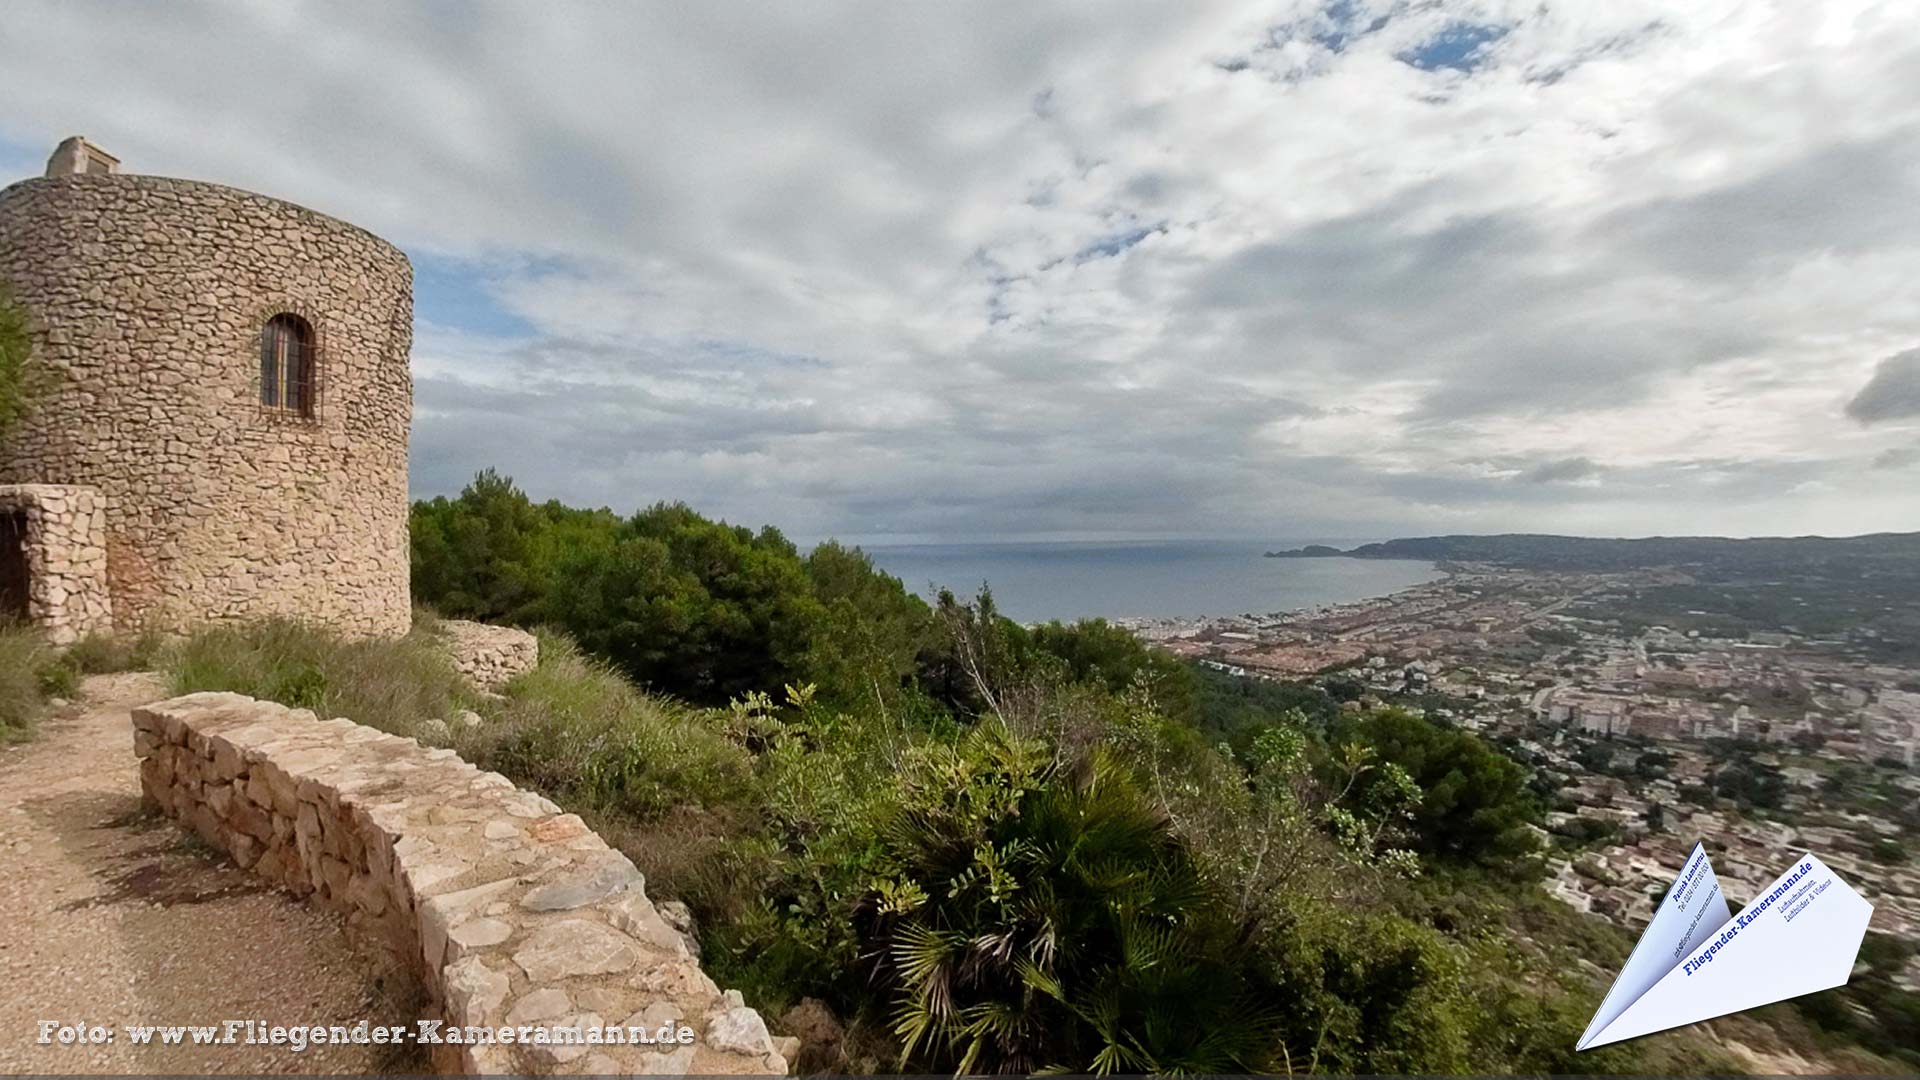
{"x": 1538, "y": 703}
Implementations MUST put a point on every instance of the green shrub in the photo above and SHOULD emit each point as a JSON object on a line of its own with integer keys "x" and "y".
{"x": 1099, "y": 653}
{"x": 778, "y": 904}
{"x": 1366, "y": 991}
{"x": 396, "y": 685}
{"x": 59, "y": 677}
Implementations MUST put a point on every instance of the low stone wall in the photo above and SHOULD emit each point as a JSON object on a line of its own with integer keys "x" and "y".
{"x": 510, "y": 912}
{"x": 491, "y": 656}
{"x": 66, "y": 548}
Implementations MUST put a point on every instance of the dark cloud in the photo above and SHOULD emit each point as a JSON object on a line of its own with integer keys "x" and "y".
{"x": 1560, "y": 471}
{"x": 1900, "y": 457}
{"x": 1840, "y": 198}
{"x": 1893, "y": 393}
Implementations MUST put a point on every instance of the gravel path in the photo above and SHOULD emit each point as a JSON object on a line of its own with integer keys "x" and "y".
{"x": 111, "y": 916}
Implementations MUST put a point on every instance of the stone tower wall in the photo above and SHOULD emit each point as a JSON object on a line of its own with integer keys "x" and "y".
{"x": 147, "y": 297}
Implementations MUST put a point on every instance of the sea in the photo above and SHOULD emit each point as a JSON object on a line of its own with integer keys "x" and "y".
{"x": 1068, "y": 580}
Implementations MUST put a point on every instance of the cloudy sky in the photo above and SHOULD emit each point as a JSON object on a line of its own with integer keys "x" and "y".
{"x": 999, "y": 269}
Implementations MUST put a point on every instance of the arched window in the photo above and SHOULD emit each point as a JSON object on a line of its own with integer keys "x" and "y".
{"x": 287, "y": 365}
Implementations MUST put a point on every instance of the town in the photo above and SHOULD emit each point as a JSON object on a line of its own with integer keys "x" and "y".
{"x": 1646, "y": 736}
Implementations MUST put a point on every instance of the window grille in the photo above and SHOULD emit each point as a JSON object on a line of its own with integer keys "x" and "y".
{"x": 289, "y": 365}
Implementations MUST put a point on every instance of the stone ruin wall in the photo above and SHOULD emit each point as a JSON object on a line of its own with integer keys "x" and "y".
{"x": 490, "y": 656}
{"x": 147, "y": 297}
{"x": 66, "y": 557}
{"x": 509, "y": 911}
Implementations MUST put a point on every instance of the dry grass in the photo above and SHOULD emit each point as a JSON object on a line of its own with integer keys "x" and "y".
{"x": 579, "y": 731}
{"x": 394, "y": 685}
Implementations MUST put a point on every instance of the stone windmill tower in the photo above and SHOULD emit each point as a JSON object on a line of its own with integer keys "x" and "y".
{"x": 224, "y": 432}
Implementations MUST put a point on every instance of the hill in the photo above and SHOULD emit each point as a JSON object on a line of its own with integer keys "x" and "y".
{"x": 1896, "y": 554}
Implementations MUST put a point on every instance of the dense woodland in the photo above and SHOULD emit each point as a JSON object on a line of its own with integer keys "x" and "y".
{"x": 1004, "y": 848}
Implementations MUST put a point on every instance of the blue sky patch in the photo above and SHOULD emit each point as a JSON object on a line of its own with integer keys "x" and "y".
{"x": 1343, "y": 25}
{"x": 1108, "y": 247}
{"x": 18, "y": 160}
{"x": 455, "y": 293}
{"x": 1460, "y": 47}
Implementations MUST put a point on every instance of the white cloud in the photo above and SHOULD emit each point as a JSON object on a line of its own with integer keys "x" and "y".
{"x": 1082, "y": 268}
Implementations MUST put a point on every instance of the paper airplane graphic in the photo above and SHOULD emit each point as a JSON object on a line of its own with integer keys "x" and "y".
{"x": 1694, "y": 962}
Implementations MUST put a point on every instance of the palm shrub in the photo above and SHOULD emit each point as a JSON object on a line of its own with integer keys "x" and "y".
{"x": 1041, "y": 914}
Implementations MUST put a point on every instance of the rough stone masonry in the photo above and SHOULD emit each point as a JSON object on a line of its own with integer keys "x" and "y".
{"x": 490, "y": 656}
{"x": 509, "y": 911}
{"x": 64, "y": 550}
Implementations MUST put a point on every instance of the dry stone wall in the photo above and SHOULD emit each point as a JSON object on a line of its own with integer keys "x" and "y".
{"x": 66, "y": 558}
{"x": 147, "y": 297}
{"x": 490, "y": 656}
{"x": 512, "y": 913}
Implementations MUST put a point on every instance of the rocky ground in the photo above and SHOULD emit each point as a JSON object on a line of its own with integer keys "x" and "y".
{"x": 112, "y": 917}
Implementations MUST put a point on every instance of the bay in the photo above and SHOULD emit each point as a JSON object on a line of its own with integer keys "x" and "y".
{"x": 1067, "y": 580}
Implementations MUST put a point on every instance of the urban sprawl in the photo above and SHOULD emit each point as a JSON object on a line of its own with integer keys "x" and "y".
{"x": 1762, "y": 745}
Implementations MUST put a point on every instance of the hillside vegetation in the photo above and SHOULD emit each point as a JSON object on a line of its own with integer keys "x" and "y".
{"x": 986, "y": 847}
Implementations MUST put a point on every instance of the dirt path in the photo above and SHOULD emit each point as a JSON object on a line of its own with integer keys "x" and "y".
{"x": 114, "y": 917}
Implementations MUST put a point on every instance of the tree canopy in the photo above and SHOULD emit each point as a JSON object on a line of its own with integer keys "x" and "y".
{"x": 1474, "y": 807}
{"x": 697, "y": 608}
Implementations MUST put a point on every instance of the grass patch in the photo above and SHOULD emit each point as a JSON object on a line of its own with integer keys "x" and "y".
{"x": 103, "y": 654}
{"x": 579, "y": 731}
{"x": 397, "y": 685}
{"x": 573, "y": 728}
{"x": 31, "y": 672}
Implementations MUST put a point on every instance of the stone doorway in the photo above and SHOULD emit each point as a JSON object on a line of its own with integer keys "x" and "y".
{"x": 13, "y": 566}
{"x": 53, "y": 560}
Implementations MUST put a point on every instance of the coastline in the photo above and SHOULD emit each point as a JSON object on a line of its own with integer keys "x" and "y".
{"x": 1144, "y": 581}
{"x": 1159, "y": 629}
